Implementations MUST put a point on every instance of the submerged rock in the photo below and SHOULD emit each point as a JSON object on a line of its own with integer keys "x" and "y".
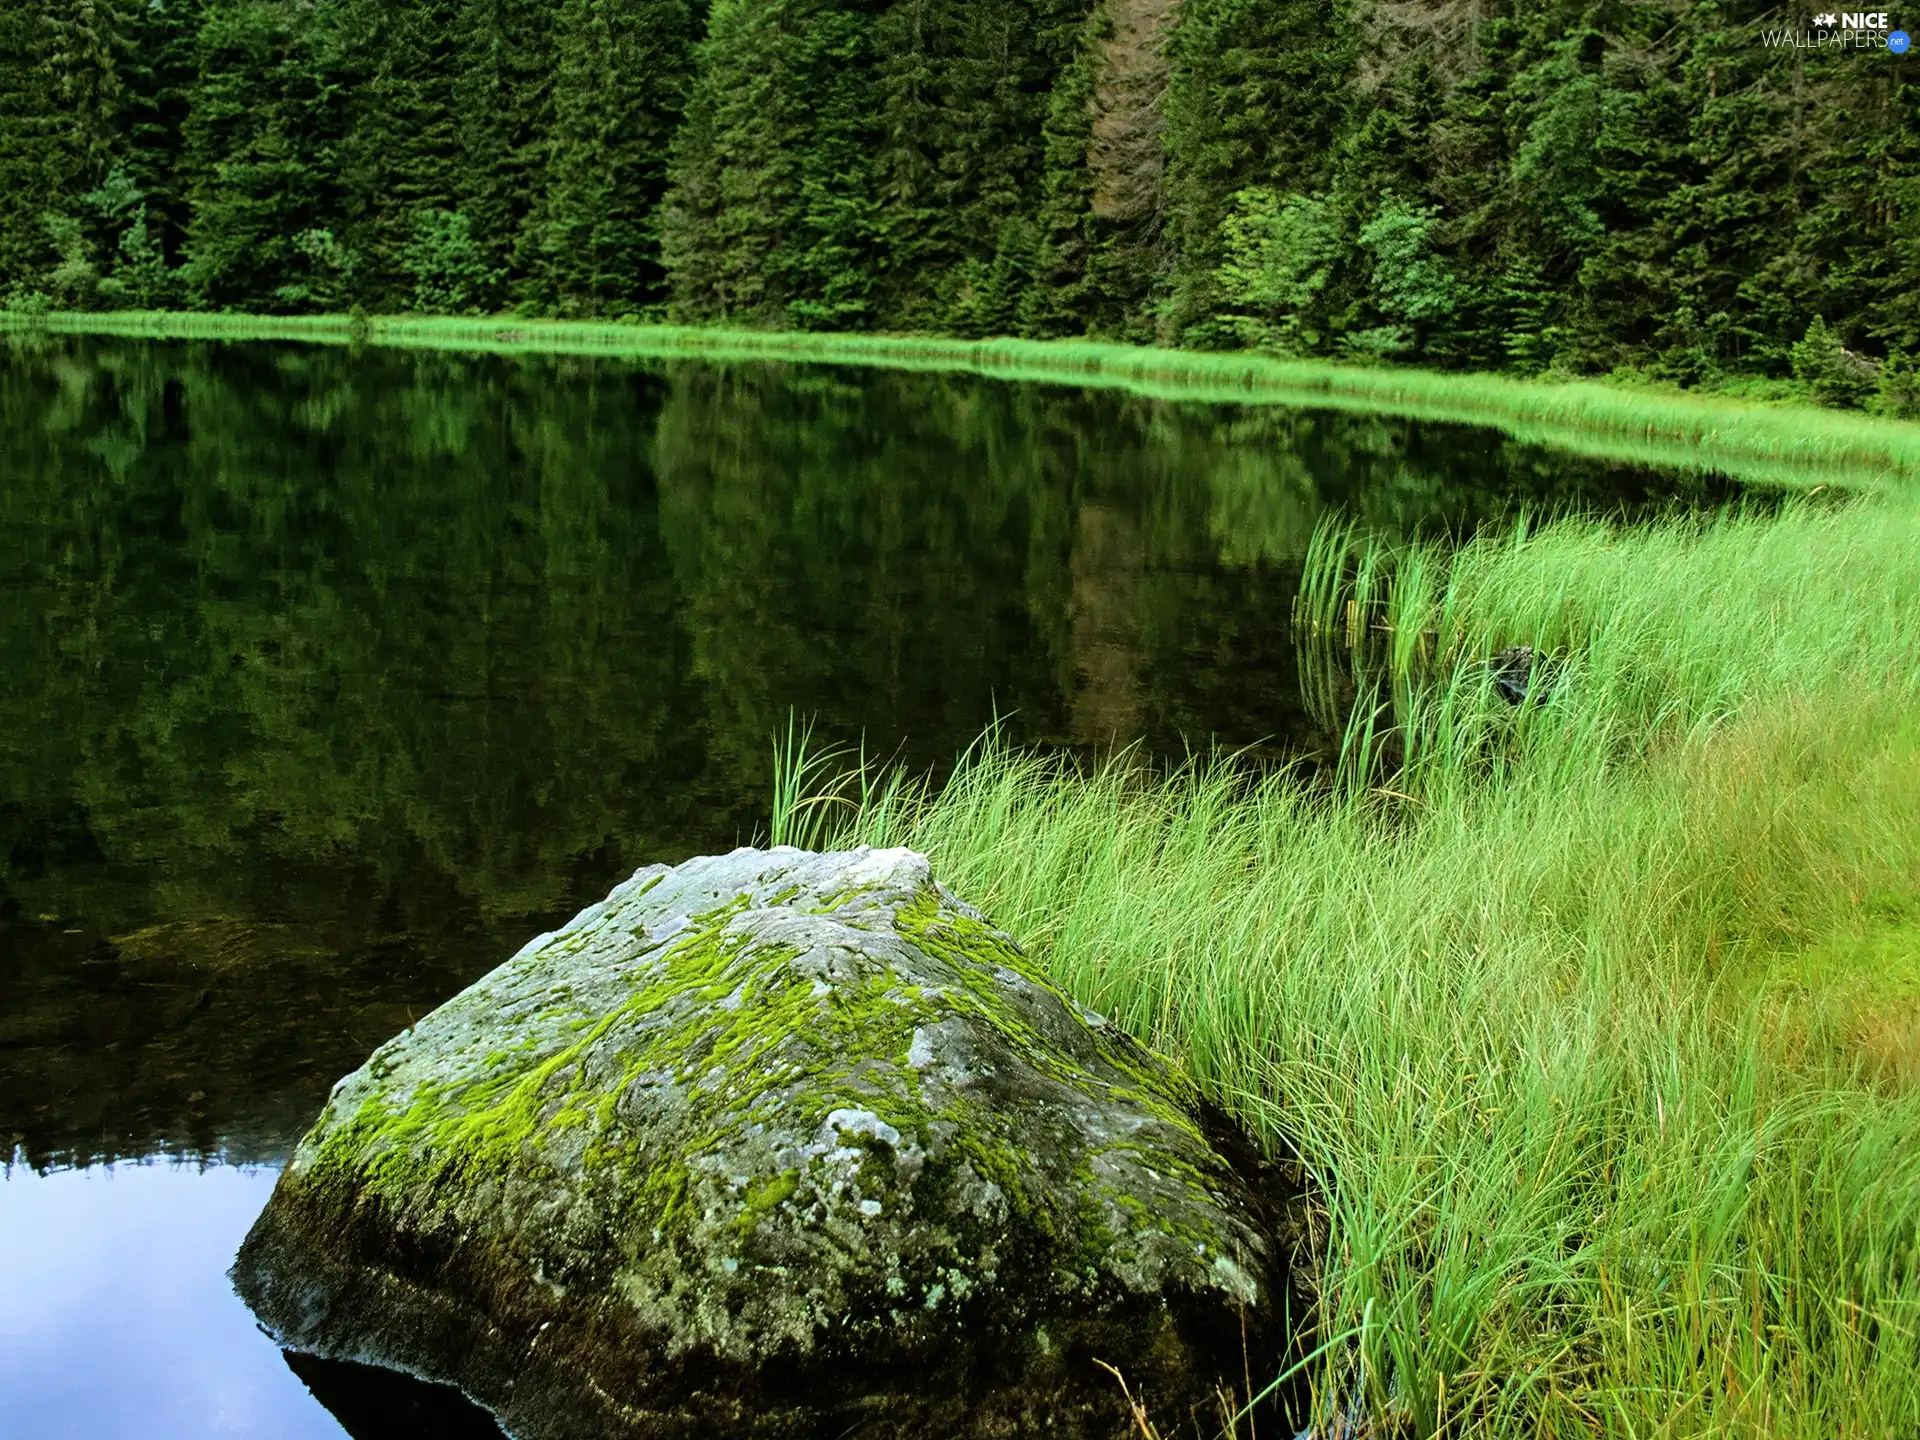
{"x": 777, "y": 1144}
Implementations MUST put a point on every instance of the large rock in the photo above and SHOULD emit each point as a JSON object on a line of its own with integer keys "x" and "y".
{"x": 776, "y": 1144}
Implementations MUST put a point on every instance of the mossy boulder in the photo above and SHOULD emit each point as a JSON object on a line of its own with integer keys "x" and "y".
{"x": 777, "y": 1144}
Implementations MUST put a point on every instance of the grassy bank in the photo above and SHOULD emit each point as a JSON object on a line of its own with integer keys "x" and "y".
{"x": 1659, "y": 634}
{"x": 1790, "y": 445}
{"x": 1599, "y": 1025}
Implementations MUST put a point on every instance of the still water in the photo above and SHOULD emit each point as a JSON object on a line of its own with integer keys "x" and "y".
{"x": 328, "y": 678}
{"x": 116, "y": 1317}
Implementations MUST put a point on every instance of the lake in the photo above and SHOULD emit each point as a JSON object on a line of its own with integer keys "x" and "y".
{"x": 329, "y": 677}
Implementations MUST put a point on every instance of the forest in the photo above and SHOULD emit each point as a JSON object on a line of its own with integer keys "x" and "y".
{"x": 1539, "y": 186}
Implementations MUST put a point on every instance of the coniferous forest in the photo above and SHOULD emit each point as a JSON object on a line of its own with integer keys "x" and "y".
{"x": 1532, "y": 185}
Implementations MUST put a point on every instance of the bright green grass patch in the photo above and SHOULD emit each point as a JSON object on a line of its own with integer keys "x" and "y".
{"x": 1786, "y": 445}
{"x": 1857, "y": 991}
{"x": 1880, "y": 965}
{"x": 1656, "y": 633}
{"x": 1520, "y": 1007}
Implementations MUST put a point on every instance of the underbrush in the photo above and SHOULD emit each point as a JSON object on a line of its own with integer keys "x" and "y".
{"x": 1587, "y": 1019}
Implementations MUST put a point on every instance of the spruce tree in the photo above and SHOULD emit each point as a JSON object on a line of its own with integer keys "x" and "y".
{"x": 401, "y": 159}
{"x": 734, "y": 172}
{"x": 60, "y": 100}
{"x": 1101, "y": 231}
{"x": 159, "y": 80}
{"x": 829, "y": 260}
{"x": 1258, "y": 91}
{"x": 622, "y": 70}
{"x": 504, "y": 103}
{"x": 965, "y": 89}
{"x": 263, "y": 149}
{"x": 1064, "y": 297}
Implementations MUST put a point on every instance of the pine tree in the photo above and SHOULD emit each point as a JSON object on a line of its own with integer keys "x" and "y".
{"x": 263, "y": 146}
{"x": 159, "y": 80}
{"x": 504, "y": 104}
{"x": 733, "y": 171}
{"x": 829, "y": 260}
{"x": 619, "y": 89}
{"x": 773, "y": 183}
{"x": 1063, "y": 298}
{"x": 1258, "y": 91}
{"x": 60, "y": 99}
{"x": 401, "y": 160}
{"x": 966, "y": 88}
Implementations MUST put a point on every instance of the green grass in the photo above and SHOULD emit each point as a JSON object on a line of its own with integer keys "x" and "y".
{"x": 1658, "y": 633}
{"x": 1762, "y": 443}
{"x": 1590, "y": 1021}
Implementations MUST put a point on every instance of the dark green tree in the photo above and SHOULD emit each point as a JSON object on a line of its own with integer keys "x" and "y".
{"x": 734, "y": 172}
{"x": 263, "y": 147}
{"x": 623, "y": 67}
{"x": 401, "y": 158}
{"x": 1258, "y": 91}
{"x": 965, "y": 93}
{"x": 61, "y": 64}
{"x": 159, "y": 79}
{"x": 503, "y": 98}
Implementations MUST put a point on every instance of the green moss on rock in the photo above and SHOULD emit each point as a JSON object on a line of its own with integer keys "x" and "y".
{"x": 774, "y": 1140}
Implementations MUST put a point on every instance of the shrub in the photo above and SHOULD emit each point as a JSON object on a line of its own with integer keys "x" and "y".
{"x": 1281, "y": 254}
{"x": 448, "y": 268}
{"x": 330, "y": 267}
{"x": 1414, "y": 289}
{"x": 1897, "y": 393}
{"x": 1832, "y": 373}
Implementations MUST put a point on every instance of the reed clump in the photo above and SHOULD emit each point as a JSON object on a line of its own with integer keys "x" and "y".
{"x": 1588, "y": 1017}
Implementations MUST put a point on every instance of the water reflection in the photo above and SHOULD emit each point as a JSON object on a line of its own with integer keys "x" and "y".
{"x": 327, "y": 678}
{"x": 376, "y": 1404}
{"x": 116, "y": 1319}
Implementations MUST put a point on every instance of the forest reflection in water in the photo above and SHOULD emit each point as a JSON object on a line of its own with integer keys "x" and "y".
{"x": 329, "y": 677}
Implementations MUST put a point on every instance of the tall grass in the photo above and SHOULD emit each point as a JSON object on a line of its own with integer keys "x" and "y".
{"x": 1650, "y": 634}
{"x": 1785, "y": 445}
{"x": 1590, "y": 1167}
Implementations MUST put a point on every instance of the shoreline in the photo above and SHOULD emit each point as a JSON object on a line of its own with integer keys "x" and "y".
{"x": 1785, "y": 444}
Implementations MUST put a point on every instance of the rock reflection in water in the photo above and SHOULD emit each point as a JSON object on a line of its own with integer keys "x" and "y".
{"x": 375, "y": 1404}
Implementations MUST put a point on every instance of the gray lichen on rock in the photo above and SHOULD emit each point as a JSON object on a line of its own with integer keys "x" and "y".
{"x": 772, "y": 1143}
